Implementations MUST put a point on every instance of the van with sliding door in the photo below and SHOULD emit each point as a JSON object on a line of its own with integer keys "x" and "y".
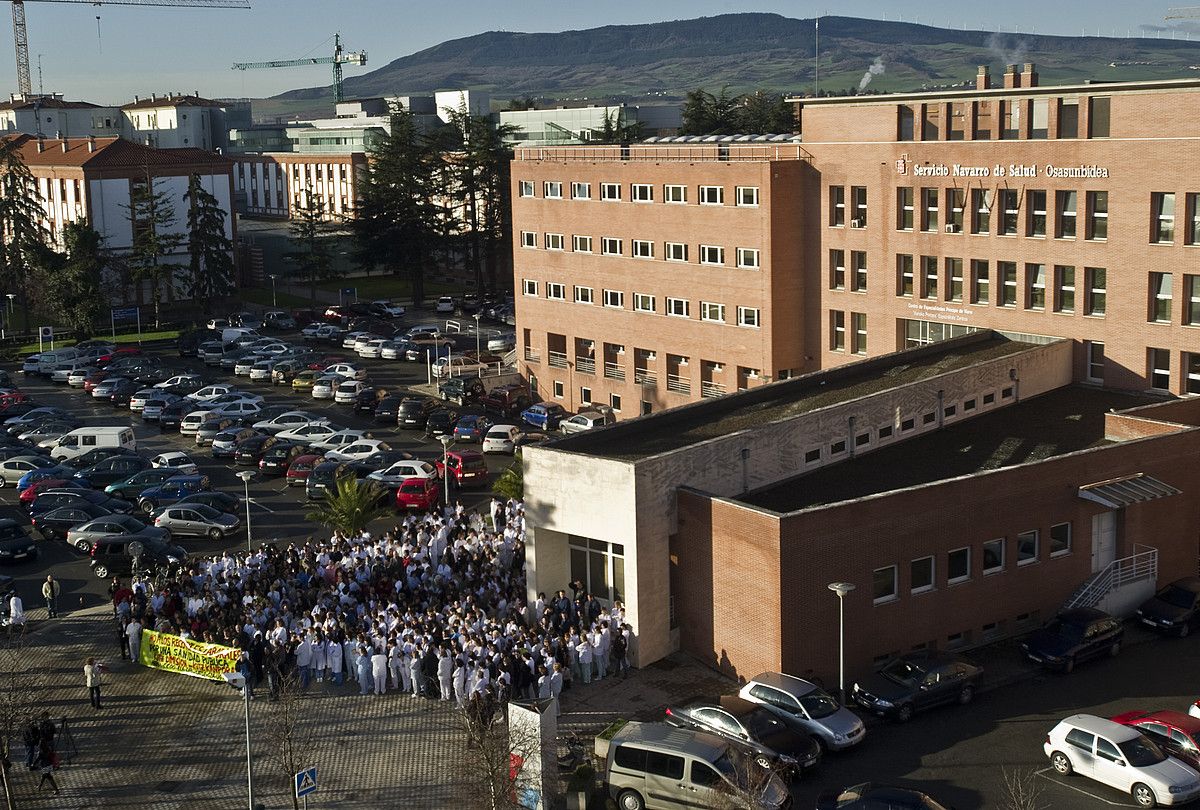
{"x": 85, "y": 439}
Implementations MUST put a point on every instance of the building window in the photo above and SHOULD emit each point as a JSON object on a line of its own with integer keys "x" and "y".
{"x": 1160, "y": 369}
{"x": 614, "y": 299}
{"x": 812, "y": 456}
{"x": 1094, "y": 356}
{"x": 600, "y": 566}
{"x": 1008, "y": 283}
{"x": 858, "y": 321}
{"x": 747, "y": 196}
{"x": 958, "y": 565}
{"x": 1096, "y": 279}
{"x": 1191, "y": 363}
{"x": 1035, "y": 286}
{"x": 955, "y": 202}
{"x": 1036, "y": 202}
{"x": 1010, "y": 211}
{"x": 904, "y": 275}
{"x": 921, "y": 575}
{"x": 1160, "y": 297}
{"x": 981, "y": 210}
{"x": 528, "y": 239}
{"x": 858, "y": 264}
{"x": 930, "y": 122}
{"x": 610, "y": 246}
{"x": 581, "y": 191}
{"x": 837, "y": 448}
{"x": 837, "y": 206}
{"x": 1068, "y": 118}
{"x": 529, "y": 287}
{"x": 1162, "y": 225}
{"x": 905, "y": 131}
{"x": 610, "y": 191}
{"x": 559, "y": 389}
{"x": 552, "y": 190}
{"x": 712, "y": 195}
{"x": 884, "y": 584}
{"x": 1098, "y": 121}
{"x": 526, "y": 188}
{"x": 1097, "y": 214}
{"x": 581, "y": 244}
{"x": 748, "y": 316}
{"x": 993, "y": 556}
{"x": 837, "y": 340}
{"x": 1191, "y": 300}
{"x": 712, "y": 254}
{"x": 747, "y": 258}
{"x": 904, "y": 208}
{"x": 858, "y": 206}
{"x": 929, "y": 209}
{"x": 1192, "y": 234}
{"x": 1067, "y": 201}
{"x": 585, "y": 395}
{"x": 1064, "y": 288}
{"x": 554, "y": 241}
{"x": 954, "y": 279}
{"x": 679, "y": 307}
{"x": 641, "y": 192}
{"x": 929, "y": 277}
{"x": 675, "y": 252}
{"x": 837, "y": 269}
{"x": 714, "y": 313}
{"x": 555, "y": 291}
{"x": 1027, "y": 547}
{"x": 643, "y": 249}
{"x": 643, "y": 302}
{"x": 1060, "y": 539}
{"x": 614, "y": 402}
{"x": 584, "y": 295}
{"x": 980, "y": 282}
{"x": 676, "y": 195}
{"x": 1010, "y": 119}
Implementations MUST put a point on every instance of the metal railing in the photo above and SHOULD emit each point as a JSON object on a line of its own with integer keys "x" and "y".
{"x": 1139, "y": 566}
{"x": 711, "y": 389}
{"x": 643, "y": 377}
{"x": 665, "y": 153}
{"x": 557, "y": 359}
{"x": 614, "y": 371}
{"x": 532, "y": 355}
{"x": 680, "y": 385}
{"x": 585, "y": 365}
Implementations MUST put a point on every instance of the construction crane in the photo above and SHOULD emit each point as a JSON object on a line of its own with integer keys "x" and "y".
{"x": 340, "y": 57}
{"x": 21, "y": 33}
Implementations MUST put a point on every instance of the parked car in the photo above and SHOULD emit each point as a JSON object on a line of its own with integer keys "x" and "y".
{"x": 832, "y": 725}
{"x": 288, "y": 420}
{"x": 55, "y": 498}
{"x": 386, "y": 309}
{"x": 869, "y": 796}
{"x": 224, "y": 501}
{"x": 587, "y": 420}
{"x": 500, "y": 439}
{"x": 506, "y": 400}
{"x": 85, "y": 536}
{"x": 277, "y": 319}
{"x": 916, "y": 682}
{"x": 1121, "y": 757}
{"x": 15, "y": 543}
{"x": 302, "y": 467}
{"x": 775, "y": 743}
{"x": 413, "y": 412}
{"x": 324, "y": 477}
{"x": 14, "y": 469}
{"x": 356, "y": 450}
{"x": 403, "y": 470}
{"x": 309, "y": 432}
{"x": 418, "y": 493}
{"x": 544, "y": 415}
{"x": 136, "y": 484}
{"x": 441, "y": 421}
{"x": 277, "y": 458}
{"x": 54, "y": 524}
{"x": 111, "y": 470}
{"x": 1174, "y": 608}
{"x": 467, "y": 466}
{"x": 249, "y": 451}
{"x": 1175, "y": 732}
{"x": 462, "y": 389}
{"x": 445, "y": 305}
{"x": 1072, "y": 636}
{"x": 176, "y": 459}
{"x": 111, "y": 556}
{"x": 196, "y": 520}
{"x": 171, "y": 491}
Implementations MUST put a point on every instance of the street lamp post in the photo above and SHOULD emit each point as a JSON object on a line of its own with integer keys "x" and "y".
{"x": 246, "y": 475}
{"x": 238, "y": 681}
{"x": 274, "y": 300}
{"x": 446, "y": 440}
{"x": 841, "y": 589}
{"x": 477, "y": 352}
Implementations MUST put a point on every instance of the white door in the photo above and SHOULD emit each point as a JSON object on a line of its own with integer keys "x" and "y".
{"x": 1110, "y": 768}
{"x": 1104, "y": 540}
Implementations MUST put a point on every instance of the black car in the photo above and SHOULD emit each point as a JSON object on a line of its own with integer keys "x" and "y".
{"x": 1173, "y": 609}
{"x": 15, "y": 543}
{"x": 221, "y": 501}
{"x": 111, "y": 556}
{"x": 22, "y": 449}
{"x": 441, "y": 421}
{"x": 1072, "y": 636}
{"x": 278, "y": 457}
{"x": 56, "y": 498}
{"x": 379, "y": 461}
{"x": 170, "y": 417}
{"x": 916, "y": 682}
{"x": 55, "y": 523}
{"x": 111, "y": 470}
{"x": 99, "y": 454}
{"x": 123, "y": 391}
{"x": 366, "y": 399}
{"x": 413, "y": 412}
{"x": 385, "y": 409}
{"x": 868, "y": 796}
{"x": 324, "y": 477}
{"x": 249, "y": 452}
{"x": 462, "y": 389}
{"x": 773, "y": 741}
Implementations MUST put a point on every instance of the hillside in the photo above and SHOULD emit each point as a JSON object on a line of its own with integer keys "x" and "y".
{"x": 748, "y": 51}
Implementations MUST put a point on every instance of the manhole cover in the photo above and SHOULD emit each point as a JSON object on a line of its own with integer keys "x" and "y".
{"x": 166, "y": 787}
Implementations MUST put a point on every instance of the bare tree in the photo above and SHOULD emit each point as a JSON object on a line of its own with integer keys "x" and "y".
{"x": 16, "y": 698}
{"x": 1022, "y": 791}
{"x": 499, "y": 759}
{"x": 289, "y": 733}
{"x": 745, "y": 787}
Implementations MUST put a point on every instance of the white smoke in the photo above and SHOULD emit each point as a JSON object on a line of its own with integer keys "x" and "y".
{"x": 874, "y": 70}
{"x": 998, "y": 45}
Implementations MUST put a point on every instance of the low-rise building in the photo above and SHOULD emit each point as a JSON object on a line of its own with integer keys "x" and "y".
{"x": 177, "y": 121}
{"x": 561, "y": 126}
{"x": 50, "y": 115}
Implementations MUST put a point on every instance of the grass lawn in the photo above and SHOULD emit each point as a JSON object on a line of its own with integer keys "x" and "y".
{"x": 262, "y": 297}
{"x": 146, "y": 337}
{"x": 372, "y": 288}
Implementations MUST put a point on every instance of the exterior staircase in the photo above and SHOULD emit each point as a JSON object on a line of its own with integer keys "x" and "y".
{"x": 1121, "y": 586}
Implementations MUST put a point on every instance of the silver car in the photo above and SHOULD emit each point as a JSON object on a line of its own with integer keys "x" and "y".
{"x": 85, "y": 536}
{"x": 195, "y": 519}
{"x": 13, "y": 470}
{"x": 834, "y": 726}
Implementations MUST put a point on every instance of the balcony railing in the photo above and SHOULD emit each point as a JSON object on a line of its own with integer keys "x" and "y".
{"x": 711, "y": 389}
{"x": 680, "y": 385}
{"x": 532, "y": 355}
{"x": 585, "y": 365}
{"x": 557, "y": 359}
{"x": 614, "y": 371}
{"x": 643, "y": 377}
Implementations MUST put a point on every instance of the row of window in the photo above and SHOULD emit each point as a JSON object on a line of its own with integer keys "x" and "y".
{"x": 858, "y": 332}
{"x": 746, "y": 258}
{"x": 1018, "y": 119}
{"x": 923, "y": 574}
{"x": 709, "y": 311}
{"x": 1159, "y": 370}
{"x": 743, "y": 196}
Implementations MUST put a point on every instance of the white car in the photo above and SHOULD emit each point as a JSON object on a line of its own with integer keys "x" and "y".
{"x": 445, "y": 305}
{"x": 347, "y": 391}
{"x": 401, "y": 471}
{"x": 79, "y": 376}
{"x": 457, "y": 366}
{"x": 500, "y": 439}
{"x": 174, "y": 458}
{"x": 387, "y": 309}
{"x": 192, "y": 421}
{"x": 356, "y": 450}
{"x": 392, "y": 350}
{"x": 231, "y": 397}
{"x": 210, "y": 392}
{"x": 242, "y": 367}
{"x": 156, "y": 403}
{"x": 349, "y": 339}
{"x": 178, "y": 379}
{"x": 261, "y": 370}
{"x": 323, "y": 387}
{"x": 339, "y": 439}
{"x": 1121, "y": 757}
{"x": 347, "y": 370}
{"x": 139, "y": 398}
{"x": 309, "y": 432}
{"x": 363, "y": 339}
{"x": 373, "y": 348}
{"x": 289, "y": 420}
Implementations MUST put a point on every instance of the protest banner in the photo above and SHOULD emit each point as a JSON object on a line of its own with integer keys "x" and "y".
{"x": 187, "y": 657}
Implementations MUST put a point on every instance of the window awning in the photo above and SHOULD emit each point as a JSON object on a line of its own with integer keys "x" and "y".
{"x": 1117, "y": 493}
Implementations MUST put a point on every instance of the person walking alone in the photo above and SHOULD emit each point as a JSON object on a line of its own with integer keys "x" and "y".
{"x": 45, "y": 763}
{"x": 50, "y": 591}
{"x": 16, "y": 613}
{"x": 91, "y": 676}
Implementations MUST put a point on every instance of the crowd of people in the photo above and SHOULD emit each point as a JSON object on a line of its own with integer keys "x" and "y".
{"x": 434, "y": 607}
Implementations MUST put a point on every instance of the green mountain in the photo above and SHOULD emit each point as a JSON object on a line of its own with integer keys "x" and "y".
{"x": 751, "y": 51}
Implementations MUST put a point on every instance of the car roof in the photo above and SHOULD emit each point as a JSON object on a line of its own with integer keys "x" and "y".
{"x": 788, "y": 683}
{"x": 1082, "y": 614}
{"x": 665, "y": 737}
{"x": 1184, "y": 722}
{"x": 1113, "y": 731}
{"x": 1188, "y": 583}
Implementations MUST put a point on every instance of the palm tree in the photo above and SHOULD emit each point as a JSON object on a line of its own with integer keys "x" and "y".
{"x": 351, "y": 506}
{"x": 511, "y": 482}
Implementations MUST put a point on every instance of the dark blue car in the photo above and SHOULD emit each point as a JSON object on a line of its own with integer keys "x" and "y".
{"x": 471, "y": 427}
{"x": 544, "y": 415}
{"x": 171, "y": 491}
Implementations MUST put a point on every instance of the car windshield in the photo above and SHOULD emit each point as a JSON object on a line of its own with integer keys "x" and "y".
{"x": 1141, "y": 752}
{"x": 903, "y": 672}
{"x": 1063, "y": 629}
{"x": 1178, "y": 597}
{"x": 817, "y": 704}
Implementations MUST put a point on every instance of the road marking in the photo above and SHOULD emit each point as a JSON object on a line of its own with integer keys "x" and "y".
{"x": 1044, "y": 774}
{"x": 260, "y": 506}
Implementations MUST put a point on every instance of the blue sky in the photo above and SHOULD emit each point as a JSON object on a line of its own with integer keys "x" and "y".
{"x": 144, "y": 50}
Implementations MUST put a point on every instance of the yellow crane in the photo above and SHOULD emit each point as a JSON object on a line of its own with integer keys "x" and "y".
{"x": 21, "y": 34}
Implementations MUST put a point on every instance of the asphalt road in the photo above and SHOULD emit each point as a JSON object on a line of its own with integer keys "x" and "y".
{"x": 960, "y": 755}
{"x": 277, "y": 511}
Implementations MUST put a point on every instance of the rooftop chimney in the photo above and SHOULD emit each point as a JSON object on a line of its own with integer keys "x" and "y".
{"x": 91, "y": 143}
{"x": 41, "y": 145}
{"x": 983, "y": 78}
{"x": 135, "y": 98}
{"x": 1029, "y": 76}
{"x": 1011, "y": 77}
{"x": 64, "y": 145}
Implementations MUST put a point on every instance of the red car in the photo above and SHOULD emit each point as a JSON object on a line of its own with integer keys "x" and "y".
{"x": 30, "y": 492}
{"x": 123, "y": 351}
{"x": 301, "y": 466}
{"x": 468, "y": 467}
{"x": 1175, "y": 732}
{"x": 418, "y": 493}
{"x": 95, "y": 378}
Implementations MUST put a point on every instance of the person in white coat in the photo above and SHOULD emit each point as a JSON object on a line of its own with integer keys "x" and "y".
{"x": 414, "y": 669}
{"x": 395, "y": 658}
{"x": 584, "y": 650}
{"x": 319, "y": 660}
{"x": 333, "y": 659}
{"x": 304, "y": 657}
{"x": 556, "y": 684}
{"x": 16, "y": 613}
{"x": 379, "y": 670}
{"x": 134, "y": 631}
{"x": 460, "y": 682}
{"x": 445, "y": 673}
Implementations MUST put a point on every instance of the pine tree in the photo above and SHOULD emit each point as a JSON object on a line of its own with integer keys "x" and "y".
{"x": 210, "y": 265}
{"x": 21, "y": 216}
{"x": 152, "y": 215}
{"x": 72, "y": 280}
{"x": 310, "y": 236}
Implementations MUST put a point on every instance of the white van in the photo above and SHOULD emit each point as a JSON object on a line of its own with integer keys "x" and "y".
{"x": 656, "y": 766}
{"x": 85, "y": 439}
{"x": 48, "y": 361}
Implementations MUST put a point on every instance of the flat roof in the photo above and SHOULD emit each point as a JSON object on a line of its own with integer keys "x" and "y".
{"x": 1090, "y": 88}
{"x": 1062, "y": 421}
{"x": 700, "y": 421}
